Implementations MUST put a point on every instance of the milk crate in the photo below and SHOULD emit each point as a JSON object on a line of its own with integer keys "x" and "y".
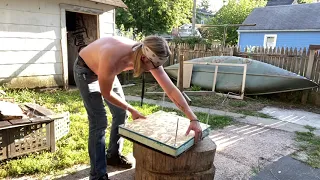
{"x": 62, "y": 126}
{"x": 23, "y": 136}
{"x": 27, "y": 139}
{"x": 21, "y": 139}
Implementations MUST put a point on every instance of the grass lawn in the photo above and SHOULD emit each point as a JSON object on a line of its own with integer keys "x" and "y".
{"x": 309, "y": 147}
{"x": 72, "y": 149}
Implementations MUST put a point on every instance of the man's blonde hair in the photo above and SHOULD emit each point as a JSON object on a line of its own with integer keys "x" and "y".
{"x": 156, "y": 44}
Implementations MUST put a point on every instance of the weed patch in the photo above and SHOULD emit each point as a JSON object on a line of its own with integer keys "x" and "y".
{"x": 309, "y": 147}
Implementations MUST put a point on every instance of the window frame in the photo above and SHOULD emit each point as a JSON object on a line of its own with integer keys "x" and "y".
{"x": 265, "y": 40}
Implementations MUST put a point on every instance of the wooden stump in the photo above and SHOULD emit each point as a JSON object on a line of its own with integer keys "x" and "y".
{"x": 195, "y": 164}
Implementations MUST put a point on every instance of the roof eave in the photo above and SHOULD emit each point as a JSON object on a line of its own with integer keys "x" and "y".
{"x": 120, "y": 5}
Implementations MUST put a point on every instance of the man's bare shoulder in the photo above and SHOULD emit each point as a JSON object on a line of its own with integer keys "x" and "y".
{"x": 116, "y": 40}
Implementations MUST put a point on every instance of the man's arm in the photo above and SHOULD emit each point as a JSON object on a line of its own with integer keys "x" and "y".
{"x": 106, "y": 76}
{"x": 173, "y": 92}
{"x": 176, "y": 96}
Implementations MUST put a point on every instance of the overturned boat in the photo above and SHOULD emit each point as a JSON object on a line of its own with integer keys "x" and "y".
{"x": 261, "y": 78}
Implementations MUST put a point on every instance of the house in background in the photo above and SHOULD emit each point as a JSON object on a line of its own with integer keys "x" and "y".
{"x": 40, "y": 39}
{"x": 295, "y": 26}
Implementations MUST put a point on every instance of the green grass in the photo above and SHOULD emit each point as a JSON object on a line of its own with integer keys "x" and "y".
{"x": 309, "y": 146}
{"x": 72, "y": 149}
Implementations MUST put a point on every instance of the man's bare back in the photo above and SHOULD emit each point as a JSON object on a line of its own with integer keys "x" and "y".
{"x": 115, "y": 50}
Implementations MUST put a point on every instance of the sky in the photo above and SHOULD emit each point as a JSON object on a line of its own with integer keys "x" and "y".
{"x": 214, "y": 4}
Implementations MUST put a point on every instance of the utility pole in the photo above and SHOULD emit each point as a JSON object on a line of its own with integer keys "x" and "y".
{"x": 194, "y": 17}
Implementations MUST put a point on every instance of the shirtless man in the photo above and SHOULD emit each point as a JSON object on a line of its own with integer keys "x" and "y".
{"x": 95, "y": 73}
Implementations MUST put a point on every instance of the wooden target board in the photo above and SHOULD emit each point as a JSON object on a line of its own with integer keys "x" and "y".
{"x": 158, "y": 131}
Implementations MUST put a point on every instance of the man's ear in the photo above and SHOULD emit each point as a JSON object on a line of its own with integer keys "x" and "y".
{"x": 144, "y": 59}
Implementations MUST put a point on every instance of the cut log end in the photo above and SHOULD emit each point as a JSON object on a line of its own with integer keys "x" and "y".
{"x": 151, "y": 163}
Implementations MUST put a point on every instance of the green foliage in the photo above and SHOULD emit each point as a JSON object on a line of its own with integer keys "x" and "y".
{"x": 309, "y": 144}
{"x": 195, "y": 88}
{"x": 232, "y": 13}
{"x": 205, "y": 5}
{"x": 305, "y": 1}
{"x": 150, "y": 17}
{"x": 192, "y": 41}
{"x": 238, "y": 103}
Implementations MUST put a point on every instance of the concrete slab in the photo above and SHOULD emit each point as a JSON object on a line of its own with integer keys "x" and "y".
{"x": 227, "y": 169}
{"x": 244, "y": 149}
{"x": 275, "y": 124}
{"x": 289, "y": 169}
{"x": 294, "y": 116}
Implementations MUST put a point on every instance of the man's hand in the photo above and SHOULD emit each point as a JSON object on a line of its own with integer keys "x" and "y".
{"x": 195, "y": 126}
{"x": 136, "y": 115}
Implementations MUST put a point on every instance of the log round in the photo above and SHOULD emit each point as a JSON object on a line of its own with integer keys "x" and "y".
{"x": 142, "y": 174}
{"x": 197, "y": 162}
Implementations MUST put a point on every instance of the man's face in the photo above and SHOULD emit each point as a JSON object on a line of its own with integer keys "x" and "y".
{"x": 147, "y": 63}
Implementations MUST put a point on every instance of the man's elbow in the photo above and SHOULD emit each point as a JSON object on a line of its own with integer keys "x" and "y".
{"x": 107, "y": 95}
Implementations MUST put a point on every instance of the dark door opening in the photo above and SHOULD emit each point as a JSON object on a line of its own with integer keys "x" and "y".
{"x": 82, "y": 29}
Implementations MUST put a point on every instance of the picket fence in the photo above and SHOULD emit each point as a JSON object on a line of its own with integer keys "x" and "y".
{"x": 291, "y": 59}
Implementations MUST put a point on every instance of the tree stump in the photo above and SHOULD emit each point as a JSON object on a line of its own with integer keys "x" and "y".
{"x": 195, "y": 164}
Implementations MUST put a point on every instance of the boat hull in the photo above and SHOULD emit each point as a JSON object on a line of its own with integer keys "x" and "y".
{"x": 261, "y": 78}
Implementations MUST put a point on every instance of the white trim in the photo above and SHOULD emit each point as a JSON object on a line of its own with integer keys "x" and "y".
{"x": 64, "y": 48}
{"x": 270, "y": 35}
{"x": 64, "y": 39}
{"x": 291, "y": 30}
{"x": 238, "y": 39}
{"x": 81, "y": 9}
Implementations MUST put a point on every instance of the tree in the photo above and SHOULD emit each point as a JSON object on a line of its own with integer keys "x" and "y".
{"x": 157, "y": 16}
{"x": 203, "y": 11}
{"x": 235, "y": 12}
{"x": 205, "y": 5}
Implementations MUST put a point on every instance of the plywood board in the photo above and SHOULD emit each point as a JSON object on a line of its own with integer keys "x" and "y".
{"x": 187, "y": 73}
{"x": 40, "y": 109}
{"x": 19, "y": 121}
{"x": 4, "y": 124}
{"x": 10, "y": 110}
{"x": 158, "y": 131}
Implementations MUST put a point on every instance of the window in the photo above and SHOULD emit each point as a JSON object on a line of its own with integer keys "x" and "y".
{"x": 270, "y": 40}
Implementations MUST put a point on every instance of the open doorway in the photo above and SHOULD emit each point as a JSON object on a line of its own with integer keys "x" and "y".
{"x": 82, "y": 29}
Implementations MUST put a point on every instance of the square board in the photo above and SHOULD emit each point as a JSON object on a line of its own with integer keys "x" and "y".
{"x": 158, "y": 131}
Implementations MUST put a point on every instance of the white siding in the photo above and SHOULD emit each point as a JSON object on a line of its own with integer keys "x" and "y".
{"x": 30, "y": 69}
{"x": 24, "y": 57}
{"x": 30, "y": 36}
{"x": 107, "y": 24}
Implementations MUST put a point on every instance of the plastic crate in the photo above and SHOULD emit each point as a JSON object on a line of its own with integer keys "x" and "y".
{"x": 62, "y": 126}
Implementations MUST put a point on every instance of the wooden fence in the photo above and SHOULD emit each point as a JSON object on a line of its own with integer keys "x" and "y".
{"x": 291, "y": 59}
